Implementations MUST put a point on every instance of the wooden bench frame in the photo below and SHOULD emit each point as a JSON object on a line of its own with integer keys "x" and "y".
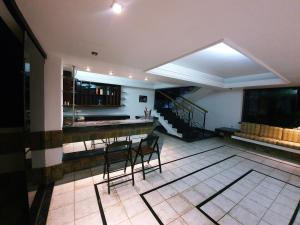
{"x": 282, "y": 148}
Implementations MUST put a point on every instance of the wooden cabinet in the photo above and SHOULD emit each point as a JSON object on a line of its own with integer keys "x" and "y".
{"x": 90, "y": 94}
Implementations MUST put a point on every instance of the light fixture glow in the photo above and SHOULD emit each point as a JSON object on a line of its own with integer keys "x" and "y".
{"x": 222, "y": 49}
{"x": 130, "y": 76}
{"x": 88, "y": 69}
{"x": 146, "y": 78}
{"x": 117, "y": 7}
{"x": 110, "y": 73}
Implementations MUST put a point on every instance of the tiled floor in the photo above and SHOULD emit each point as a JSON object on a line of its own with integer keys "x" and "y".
{"x": 204, "y": 182}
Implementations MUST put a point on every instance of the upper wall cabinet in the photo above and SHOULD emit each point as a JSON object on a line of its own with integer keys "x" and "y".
{"x": 90, "y": 94}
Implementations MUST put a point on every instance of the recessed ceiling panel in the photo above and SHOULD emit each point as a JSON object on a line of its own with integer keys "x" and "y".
{"x": 221, "y": 60}
{"x": 219, "y": 65}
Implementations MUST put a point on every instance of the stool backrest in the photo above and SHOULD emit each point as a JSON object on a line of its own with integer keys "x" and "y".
{"x": 149, "y": 142}
{"x": 118, "y": 146}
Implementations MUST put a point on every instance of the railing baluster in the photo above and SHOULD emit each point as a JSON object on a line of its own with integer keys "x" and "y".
{"x": 189, "y": 112}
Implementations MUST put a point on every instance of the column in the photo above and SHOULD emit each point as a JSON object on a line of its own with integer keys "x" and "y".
{"x": 46, "y": 121}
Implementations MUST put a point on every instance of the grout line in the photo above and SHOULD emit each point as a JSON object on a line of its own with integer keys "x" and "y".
{"x": 100, "y": 206}
{"x": 263, "y": 156}
{"x": 151, "y": 210}
{"x": 170, "y": 182}
{"x": 147, "y": 192}
{"x": 272, "y": 202}
{"x": 211, "y": 219}
{"x": 148, "y": 205}
{"x": 98, "y": 195}
{"x": 219, "y": 192}
{"x": 167, "y": 162}
{"x": 295, "y": 214}
{"x": 237, "y": 180}
{"x": 269, "y": 166}
{"x": 223, "y": 189}
{"x": 244, "y": 198}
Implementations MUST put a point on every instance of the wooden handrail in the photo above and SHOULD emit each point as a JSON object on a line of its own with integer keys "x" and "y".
{"x": 192, "y": 103}
{"x": 173, "y": 101}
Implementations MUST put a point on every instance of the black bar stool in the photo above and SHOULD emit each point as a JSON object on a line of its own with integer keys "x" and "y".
{"x": 115, "y": 153}
{"x": 148, "y": 146}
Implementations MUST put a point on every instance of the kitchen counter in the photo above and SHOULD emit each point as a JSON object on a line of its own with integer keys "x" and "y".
{"x": 92, "y": 130}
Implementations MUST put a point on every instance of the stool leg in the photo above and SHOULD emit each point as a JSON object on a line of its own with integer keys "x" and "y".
{"x": 143, "y": 168}
{"x": 125, "y": 165}
{"x": 135, "y": 158}
{"x": 108, "y": 184}
{"x": 150, "y": 157}
{"x": 104, "y": 170}
{"x": 159, "y": 163}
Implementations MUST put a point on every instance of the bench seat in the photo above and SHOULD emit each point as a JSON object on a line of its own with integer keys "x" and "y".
{"x": 276, "y": 146}
{"x": 275, "y": 137}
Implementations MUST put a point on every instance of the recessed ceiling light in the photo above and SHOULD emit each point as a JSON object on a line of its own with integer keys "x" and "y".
{"x": 88, "y": 69}
{"x": 111, "y": 73}
{"x": 117, "y": 7}
{"x": 130, "y": 76}
{"x": 222, "y": 49}
{"x": 146, "y": 78}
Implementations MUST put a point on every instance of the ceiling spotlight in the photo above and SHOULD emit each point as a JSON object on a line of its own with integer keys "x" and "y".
{"x": 117, "y": 7}
{"x": 88, "y": 69}
{"x": 146, "y": 78}
{"x": 130, "y": 76}
{"x": 110, "y": 73}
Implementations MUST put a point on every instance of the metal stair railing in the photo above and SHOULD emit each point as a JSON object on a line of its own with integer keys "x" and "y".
{"x": 186, "y": 110}
{"x": 179, "y": 109}
{"x": 199, "y": 113}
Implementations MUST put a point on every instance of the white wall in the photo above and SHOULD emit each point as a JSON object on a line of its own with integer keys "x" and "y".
{"x": 53, "y": 93}
{"x": 130, "y": 98}
{"x": 224, "y": 108}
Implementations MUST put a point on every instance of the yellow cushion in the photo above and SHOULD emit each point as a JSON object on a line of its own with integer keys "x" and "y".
{"x": 250, "y": 128}
{"x": 249, "y": 136}
{"x": 289, "y": 144}
{"x": 291, "y": 135}
{"x": 267, "y": 140}
{"x": 270, "y": 132}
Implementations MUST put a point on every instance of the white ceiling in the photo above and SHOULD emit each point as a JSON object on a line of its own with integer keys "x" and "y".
{"x": 150, "y": 33}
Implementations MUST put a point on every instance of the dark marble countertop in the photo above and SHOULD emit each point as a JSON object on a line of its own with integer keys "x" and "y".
{"x": 106, "y": 123}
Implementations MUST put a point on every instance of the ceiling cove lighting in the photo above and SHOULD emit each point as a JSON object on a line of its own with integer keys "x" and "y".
{"x": 222, "y": 49}
{"x": 116, "y": 7}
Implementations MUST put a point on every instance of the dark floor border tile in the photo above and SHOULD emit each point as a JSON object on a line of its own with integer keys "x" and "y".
{"x": 100, "y": 206}
{"x": 35, "y": 206}
{"x": 138, "y": 171}
{"x": 151, "y": 210}
{"x": 216, "y": 148}
{"x": 157, "y": 218}
{"x": 269, "y": 166}
{"x": 295, "y": 214}
{"x": 217, "y": 193}
{"x": 236, "y": 181}
{"x": 147, "y": 192}
{"x": 41, "y": 208}
{"x": 263, "y": 156}
{"x": 189, "y": 174}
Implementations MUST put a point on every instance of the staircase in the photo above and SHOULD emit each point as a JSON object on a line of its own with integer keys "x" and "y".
{"x": 179, "y": 116}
